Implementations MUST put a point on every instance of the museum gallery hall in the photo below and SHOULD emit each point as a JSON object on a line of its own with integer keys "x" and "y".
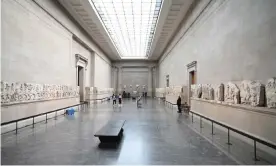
{"x": 138, "y": 82}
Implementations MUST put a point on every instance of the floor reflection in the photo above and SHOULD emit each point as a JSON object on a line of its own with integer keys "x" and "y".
{"x": 153, "y": 134}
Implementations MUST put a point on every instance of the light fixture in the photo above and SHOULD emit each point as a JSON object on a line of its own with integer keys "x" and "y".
{"x": 131, "y": 24}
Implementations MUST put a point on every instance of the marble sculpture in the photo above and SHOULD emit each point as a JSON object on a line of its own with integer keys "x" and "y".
{"x": 232, "y": 93}
{"x": 271, "y": 93}
{"x": 252, "y": 93}
{"x": 219, "y": 92}
{"x": 17, "y": 92}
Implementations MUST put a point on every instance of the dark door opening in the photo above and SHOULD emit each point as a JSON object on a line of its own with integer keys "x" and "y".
{"x": 80, "y": 82}
{"x": 167, "y": 80}
{"x": 192, "y": 80}
{"x": 192, "y": 76}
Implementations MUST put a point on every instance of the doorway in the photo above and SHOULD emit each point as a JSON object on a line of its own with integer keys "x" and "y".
{"x": 167, "y": 81}
{"x": 80, "y": 81}
{"x": 192, "y": 81}
{"x": 192, "y": 77}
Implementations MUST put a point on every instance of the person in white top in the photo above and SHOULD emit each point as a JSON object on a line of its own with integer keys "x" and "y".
{"x": 120, "y": 99}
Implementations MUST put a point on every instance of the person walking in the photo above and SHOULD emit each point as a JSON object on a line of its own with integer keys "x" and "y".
{"x": 114, "y": 99}
{"x": 178, "y": 102}
{"x": 120, "y": 100}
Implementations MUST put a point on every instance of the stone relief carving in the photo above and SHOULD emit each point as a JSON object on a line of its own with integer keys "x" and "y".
{"x": 16, "y": 92}
{"x": 248, "y": 92}
{"x": 207, "y": 92}
{"x": 271, "y": 93}
{"x": 177, "y": 90}
{"x": 252, "y": 93}
{"x": 160, "y": 92}
{"x": 105, "y": 91}
{"x": 91, "y": 90}
{"x": 196, "y": 90}
{"x": 232, "y": 93}
{"x": 219, "y": 92}
{"x": 94, "y": 92}
{"x": 173, "y": 90}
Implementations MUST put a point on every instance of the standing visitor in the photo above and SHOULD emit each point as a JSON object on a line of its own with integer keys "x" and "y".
{"x": 179, "y": 104}
{"x": 114, "y": 99}
{"x": 120, "y": 100}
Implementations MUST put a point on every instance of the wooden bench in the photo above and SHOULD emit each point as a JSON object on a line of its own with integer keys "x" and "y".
{"x": 112, "y": 132}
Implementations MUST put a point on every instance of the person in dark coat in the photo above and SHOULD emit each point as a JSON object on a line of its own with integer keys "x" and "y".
{"x": 179, "y": 104}
{"x": 114, "y": 99}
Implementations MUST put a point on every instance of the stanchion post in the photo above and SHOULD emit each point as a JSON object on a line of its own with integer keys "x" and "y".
{"x": 15, "y": 127}
{"x": 255, "y": 151}
{"x": 228, "y": 137}
{"x": 33, "y": 122}
{"x": 201, "y": 122}
{"x": 213, "y": 128}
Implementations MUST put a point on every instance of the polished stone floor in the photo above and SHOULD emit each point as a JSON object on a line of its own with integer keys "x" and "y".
{"x": 153, "y": 134}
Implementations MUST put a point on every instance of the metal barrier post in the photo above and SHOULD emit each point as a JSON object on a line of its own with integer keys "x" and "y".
{"x": 228, "y": 137}
{"x": 56, "y": 116}
{"x": 46, "y": 118}
{"x": 201, "y": 123}
{"x": 255, "y": 151}
{"x": 213, "y": 128}
{"x": 33, "y": 122}
{"x": 15, "y": 127}
{"x": 192, "y": 118}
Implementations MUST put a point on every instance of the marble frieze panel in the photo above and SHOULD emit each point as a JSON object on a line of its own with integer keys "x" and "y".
{"x": 196, "y": 90}
{"x": 271, "y": 93}
{"x": 160, "y": 92}
{"x": 17, "y": 92}
{"x": 207, "y": 92}
{"x": 252, "y": 93}
{"x": 219, "y": 92}
{"x": 232, "y": 93}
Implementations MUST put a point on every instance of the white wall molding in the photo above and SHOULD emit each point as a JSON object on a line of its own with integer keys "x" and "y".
{"x": 81, "y": 61}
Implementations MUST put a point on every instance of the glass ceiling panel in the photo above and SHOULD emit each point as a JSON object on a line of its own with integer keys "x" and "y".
{"x": 131, "y": 24}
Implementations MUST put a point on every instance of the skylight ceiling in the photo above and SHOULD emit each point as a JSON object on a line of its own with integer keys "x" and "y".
{"x": 130, "y": 24}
